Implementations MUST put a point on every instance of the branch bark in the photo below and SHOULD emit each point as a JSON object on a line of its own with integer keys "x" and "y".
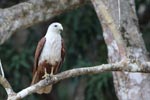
{"x": 31, "y": 12}
{"x": 5, "y": 83}
{"x": 125, "y": 65}
{"x": 7, "y": 86}
{"x": 124, "y": 42}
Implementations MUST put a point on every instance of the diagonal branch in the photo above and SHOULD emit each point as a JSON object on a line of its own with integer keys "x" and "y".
{"x": 31, "y": 12}
{"x": 5, "y": 83}
{"x": 7, "y": 86}
{"x": 1, "y": 68}
{"x": 119, "y": 66}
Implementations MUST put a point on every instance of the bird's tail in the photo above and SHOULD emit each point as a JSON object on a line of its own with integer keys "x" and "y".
{"x": 35, "y": 78}
{"x": 45, "y": 90}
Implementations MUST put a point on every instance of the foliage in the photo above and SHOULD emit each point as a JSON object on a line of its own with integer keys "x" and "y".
{"x": 99, "y": 85}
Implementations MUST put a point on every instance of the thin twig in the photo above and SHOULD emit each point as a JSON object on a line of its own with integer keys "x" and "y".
{"x": 119, "y": 13}
{"x": 2, "y": 71}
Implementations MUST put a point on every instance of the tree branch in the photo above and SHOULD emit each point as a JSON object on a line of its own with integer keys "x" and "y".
{"x": 125, "y": 65}
{"x": 31, "y": 12}
{"x": 124, "y": 42}
{"x": 7, "y": 86}
{"x": 5, "y": 83}
{"x": 1, "y": 68}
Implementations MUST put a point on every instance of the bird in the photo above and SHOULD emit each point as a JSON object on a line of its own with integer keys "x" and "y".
{"x": 49, "y": 56}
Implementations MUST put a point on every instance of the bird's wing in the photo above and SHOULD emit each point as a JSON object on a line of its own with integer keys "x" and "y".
{"x": 38, "y": 53}
{"x": 62, "y": 50}
{"x": 62, "y": 57}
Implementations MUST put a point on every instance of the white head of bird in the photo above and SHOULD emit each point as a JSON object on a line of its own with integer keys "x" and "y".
{"x": 55, "y": 28}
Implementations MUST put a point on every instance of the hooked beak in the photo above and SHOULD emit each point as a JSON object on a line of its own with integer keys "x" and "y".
{"x": 61, "y": 29}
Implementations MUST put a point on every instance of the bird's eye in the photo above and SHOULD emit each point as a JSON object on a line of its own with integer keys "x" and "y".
{"x": 55, "y": 25}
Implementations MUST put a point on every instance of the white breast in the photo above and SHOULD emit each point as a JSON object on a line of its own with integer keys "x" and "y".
{"x": 52, "y": 49}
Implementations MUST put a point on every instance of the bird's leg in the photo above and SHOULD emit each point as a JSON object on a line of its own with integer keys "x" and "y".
{"x": 52, "y": 71}
{"x": 46, "y": 75}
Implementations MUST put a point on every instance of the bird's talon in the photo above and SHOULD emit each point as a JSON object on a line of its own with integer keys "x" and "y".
{"x": 50, "y": 76}
{"x": 46, "y": 75}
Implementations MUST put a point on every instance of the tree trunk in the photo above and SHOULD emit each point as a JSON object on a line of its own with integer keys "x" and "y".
{"x": 124, "y": 42}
